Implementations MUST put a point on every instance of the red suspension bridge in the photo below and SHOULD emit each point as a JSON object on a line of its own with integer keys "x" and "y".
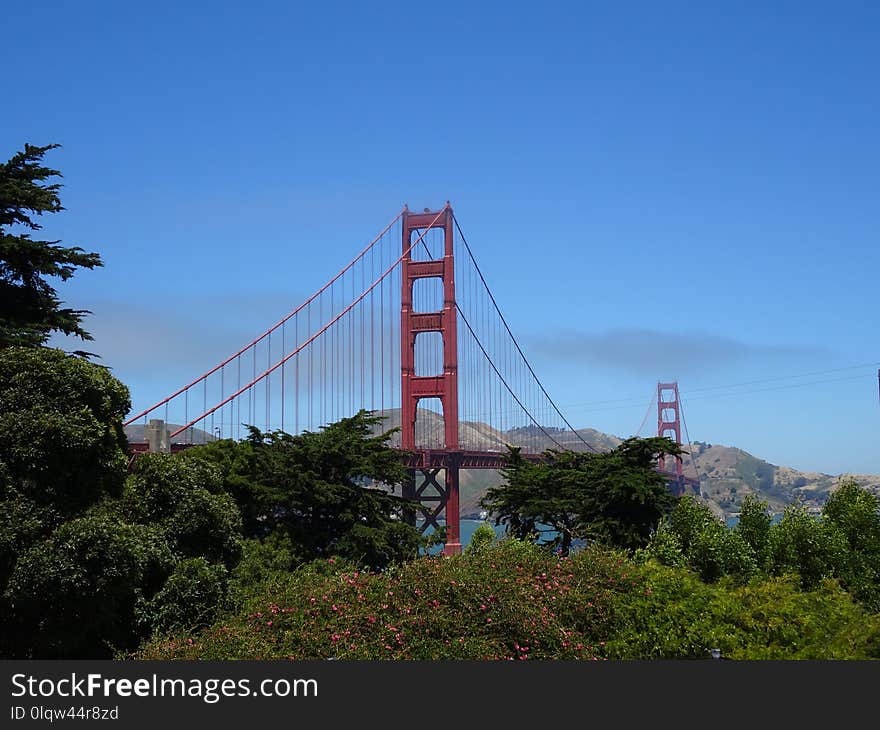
{"x": 408, "y": 330}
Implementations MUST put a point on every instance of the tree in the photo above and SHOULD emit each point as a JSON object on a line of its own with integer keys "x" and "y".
{"x": 855, "y": 512}
{"x": 30, "y": 309}
{"x": 190, "y": 598}
{"x": 616, "y": 497}
{"x": 754, "y": 527}
{"x": 324, "y": 490}
{"x": 691, "y": 535}
{"x": 843, "y": 544}
{"x": 62, "y": 447}
{"x": 86, "y": 554}
{"x": 185, "y": 501}
{"x": 79, "y": 594}
{"x": 812, "y": 548}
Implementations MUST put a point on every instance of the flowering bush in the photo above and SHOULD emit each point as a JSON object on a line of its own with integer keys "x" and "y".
{"x": 508, "y": 601}
{"x": 512, "y": 600}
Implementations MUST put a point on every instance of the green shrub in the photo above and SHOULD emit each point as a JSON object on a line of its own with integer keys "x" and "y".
{"x": 184, "y": 498}
{"x": 688, "y": 519}
{"x": 775, "y": 619}
{"x": 513, "y": 600}
{"x": 483, "y": 536}
{"x": 509, "y": 600}
{"x": 754, "y": 527}
{"x": 190, "y": 598}
{"x": 674, "y": 615}
{"x": 665, "y": 547}
{"x": 666, "y": 617}
{"x": 79, "y": 593}
{"x": 800, "y": 543}
{"x": 691, "y": 535}
{"x": 62, "y": 447}
{"x": 717, "y": 551}
{"x": 275, "y": 556}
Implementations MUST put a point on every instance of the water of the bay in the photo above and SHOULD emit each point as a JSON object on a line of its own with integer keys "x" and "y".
{"x": 469, "y": 527}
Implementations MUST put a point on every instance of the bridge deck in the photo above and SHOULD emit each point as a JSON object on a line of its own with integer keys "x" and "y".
{"x": 438, "y": 459}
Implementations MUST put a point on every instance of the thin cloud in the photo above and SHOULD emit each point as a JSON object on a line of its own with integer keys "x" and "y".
{"x": 189, "y": 335}
{"x": 652, "y": 352}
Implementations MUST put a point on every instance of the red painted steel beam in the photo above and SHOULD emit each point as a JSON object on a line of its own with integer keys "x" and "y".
{"x": 427, "y": 322}
{"x": 445, "y": 386}
{"x": 670, "y": 427}
{"x": 426, "y": 269}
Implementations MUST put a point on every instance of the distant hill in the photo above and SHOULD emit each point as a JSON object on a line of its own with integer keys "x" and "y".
{"x": 727, "y": 474}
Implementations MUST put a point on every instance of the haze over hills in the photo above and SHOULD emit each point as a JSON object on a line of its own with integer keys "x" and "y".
{"x": 727, "y": 474}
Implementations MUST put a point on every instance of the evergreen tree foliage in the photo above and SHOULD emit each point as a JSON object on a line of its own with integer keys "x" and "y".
{"x": 30, "y": 309}
{"x": 326, "y": 490}
{"x": 615, "y": 497}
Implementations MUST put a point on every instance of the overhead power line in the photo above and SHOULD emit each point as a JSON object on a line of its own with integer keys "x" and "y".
{"x": 636, "y": 401}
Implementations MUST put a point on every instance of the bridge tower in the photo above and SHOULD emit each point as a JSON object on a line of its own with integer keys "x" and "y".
{"x": 423, "y": 485}
{"x": 669, "y": 424}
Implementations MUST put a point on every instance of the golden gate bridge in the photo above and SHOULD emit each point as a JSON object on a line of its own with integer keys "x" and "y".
{"x": 408, "y": 330}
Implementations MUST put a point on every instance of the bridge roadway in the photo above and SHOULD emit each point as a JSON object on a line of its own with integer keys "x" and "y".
{"x": 440, "y": 459}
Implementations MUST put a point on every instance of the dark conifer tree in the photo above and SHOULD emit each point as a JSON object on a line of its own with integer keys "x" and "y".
{"x": 30, "y": 309}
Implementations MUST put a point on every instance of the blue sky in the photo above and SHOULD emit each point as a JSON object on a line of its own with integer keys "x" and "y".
{"x": 653, "y": 190}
